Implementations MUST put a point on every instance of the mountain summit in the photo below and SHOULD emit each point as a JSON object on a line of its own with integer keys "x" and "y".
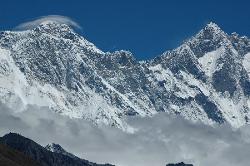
{"x": 205, "y": 79}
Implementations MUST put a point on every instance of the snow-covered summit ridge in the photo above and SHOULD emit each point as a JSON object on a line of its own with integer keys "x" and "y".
{"x": 213, "y": 26}
{"x": 61, "y": 30}
{"x": 205, "y": 79}
{"x": 56, "y": 148}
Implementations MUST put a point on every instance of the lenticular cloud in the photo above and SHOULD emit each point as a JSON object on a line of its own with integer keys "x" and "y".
{"x": 54, "y": 18}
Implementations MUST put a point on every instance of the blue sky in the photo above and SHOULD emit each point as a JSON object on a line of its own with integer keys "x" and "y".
{"x": 145, "y": 27}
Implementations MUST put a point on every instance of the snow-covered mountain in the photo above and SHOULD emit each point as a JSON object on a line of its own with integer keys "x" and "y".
{"x": 205, "y": 79}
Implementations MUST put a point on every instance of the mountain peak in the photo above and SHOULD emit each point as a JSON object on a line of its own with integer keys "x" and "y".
{"x": 208, "y": 39}
{"x": 213, "y": 26}
{"x": 56, "y": 148}
{"x": 213, "y": 30}
{"x": 53, "y": 147}
{"x": 54, "y": 23}
{"x": 63, "y": 30}
{"x": 12, "y": 135}
{"x": 53, "y": 26}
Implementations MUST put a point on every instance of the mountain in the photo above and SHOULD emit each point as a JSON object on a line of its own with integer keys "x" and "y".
{"x": 11, "y": 157}
{"x": 205, "y": 79}
{"x": 44, "y": 157}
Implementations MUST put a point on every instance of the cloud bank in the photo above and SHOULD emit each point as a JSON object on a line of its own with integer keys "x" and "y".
{"x": 54, "y": 18}
{"x": 158, "y": 140}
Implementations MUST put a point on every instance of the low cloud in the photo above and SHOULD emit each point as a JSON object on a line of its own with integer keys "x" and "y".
{"x": 158, "y": 140}
{"x": 55, "y": 18}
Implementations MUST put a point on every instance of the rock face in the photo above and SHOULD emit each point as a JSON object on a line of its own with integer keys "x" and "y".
{"x": 41, "y": 155}
{"x": 205, "y": 79}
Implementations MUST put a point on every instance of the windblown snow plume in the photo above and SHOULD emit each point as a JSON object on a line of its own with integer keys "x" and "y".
{"x": 49, "y": 18}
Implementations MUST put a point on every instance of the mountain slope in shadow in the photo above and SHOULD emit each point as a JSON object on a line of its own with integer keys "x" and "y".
{"x": 11, "y": 157}
{"x": 40, "y": 154}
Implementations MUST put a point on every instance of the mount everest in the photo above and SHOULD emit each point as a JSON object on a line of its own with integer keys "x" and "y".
{"x": 205, "y": 79}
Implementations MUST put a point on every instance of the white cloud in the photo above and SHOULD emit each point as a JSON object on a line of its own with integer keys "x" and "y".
{"x": 158, "y": 140}
{"x": 54, "y": 18}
